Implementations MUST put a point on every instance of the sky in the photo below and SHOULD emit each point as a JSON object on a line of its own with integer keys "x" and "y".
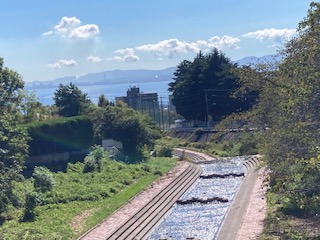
{"x": 46, "y": 40}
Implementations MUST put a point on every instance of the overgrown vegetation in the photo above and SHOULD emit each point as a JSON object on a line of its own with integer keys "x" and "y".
{"x": 220, "y": 144}
{"x": 285, "y": 115}
{"x": 288, "y": 107}
{"x": 60, "y": 135}
{"x": 135, "y": 130}
{"x": 54, "y": 200}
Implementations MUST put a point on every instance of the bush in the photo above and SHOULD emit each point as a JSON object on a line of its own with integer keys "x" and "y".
{"x": 164, "y": 151}
{"x": 302, "y": 191}
{"x": 75, "y": 167}
{"x": 94, "y": 159}
{"x": 89, "y": 164}
{"x": 98, "y": 153}
{"x": 43, "y": 179}
{"x": 248, "y": 144}
{"x": 32, "y": 201}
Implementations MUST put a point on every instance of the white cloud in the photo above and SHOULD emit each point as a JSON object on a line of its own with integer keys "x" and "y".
{"x": 130, "y": 58}
{"x": 66, "y": 24}
{"x": 174, "y": 47}
{"x": 94, "y": 59}
{"x": 63, "y": 63}
{"x": 54, "y": 65}
{"x": 125, "y": 51}
{"x": 71, "y": 27}
{"x": 128, "y": 55}
{"x": 224, "y": 42}
{"x": 47, "y": 33}
{"x": 170, "y": 48}
{"x": 126, "y": 58}
{"x": 85, "y": 31}
{"x": 277, "y": 35}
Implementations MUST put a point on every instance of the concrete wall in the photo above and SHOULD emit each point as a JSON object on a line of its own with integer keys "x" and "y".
{"x": 55, "y": 158}
{"x": 109, "y": 143}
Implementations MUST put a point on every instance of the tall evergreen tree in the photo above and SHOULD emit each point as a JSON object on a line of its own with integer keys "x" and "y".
{"x": 70, "y": 100}
{"x": 103, "y": 101}
{"x": 204, "y": 87}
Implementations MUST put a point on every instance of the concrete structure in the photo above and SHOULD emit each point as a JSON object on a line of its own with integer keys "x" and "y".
{"x": 140, "y": 101}
{"x": 107, "y": 144}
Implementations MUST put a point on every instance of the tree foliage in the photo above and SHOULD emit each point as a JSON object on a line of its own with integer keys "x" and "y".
{"x": 32, "y": 201}
{"x": 203, "y": 87}
{"x": 103, "y": 101}
{"x": 32, "y": 110}
{"x": 124, "y": 124}
{"x": 94, "y": 159}
{"x": 13, "y": 140}
{"x": 70, "y": 100}
{"x": 289, "y": 105}
{"x": 43, "y": 179}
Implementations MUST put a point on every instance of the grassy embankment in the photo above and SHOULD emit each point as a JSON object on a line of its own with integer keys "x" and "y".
{"x": 78, "y": 200}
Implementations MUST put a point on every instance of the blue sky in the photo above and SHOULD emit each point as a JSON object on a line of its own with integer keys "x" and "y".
{"x": 45, "y": 40}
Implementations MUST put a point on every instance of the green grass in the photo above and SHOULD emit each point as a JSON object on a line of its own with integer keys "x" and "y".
{"x": 54, "y": 219}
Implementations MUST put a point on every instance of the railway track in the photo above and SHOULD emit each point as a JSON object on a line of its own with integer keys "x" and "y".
{"x": 145, "y": 220}
{"x": 142, "y": 223}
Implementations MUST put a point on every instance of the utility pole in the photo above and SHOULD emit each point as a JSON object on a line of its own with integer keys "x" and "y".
{"x": 169, "y": 114}
{"x": 162, "y": 113}
{"x": 208, "y": 124}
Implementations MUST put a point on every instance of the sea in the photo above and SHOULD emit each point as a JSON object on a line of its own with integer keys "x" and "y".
{"x": 111, "y": 91}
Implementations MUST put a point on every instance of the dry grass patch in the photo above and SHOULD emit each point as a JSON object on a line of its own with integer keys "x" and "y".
{"x": 78, "y": 221}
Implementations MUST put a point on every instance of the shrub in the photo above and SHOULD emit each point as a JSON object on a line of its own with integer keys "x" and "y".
{"x": 94, "y": 159}
{"x": 164, "y": 151}
{"x": 248, "y": 144}
{"x": 75, "y": 167}
{"x": 89, "y": 164}
{"x": 302, "y": 191}
{"x": 32, "y": 201}
{"x": 158, "y": 172}
{"x": 43, "y": 179}
{"x": 98, "y": 153}
{"x": 146, "y": 167}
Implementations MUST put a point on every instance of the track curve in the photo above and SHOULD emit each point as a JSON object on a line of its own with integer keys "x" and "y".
{"x": 140, "y": 225}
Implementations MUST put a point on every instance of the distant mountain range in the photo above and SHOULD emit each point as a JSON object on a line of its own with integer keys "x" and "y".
{"x": 131, "y": 76}
{"x": 254, "y": 60}
{"x": 110, "y": 77}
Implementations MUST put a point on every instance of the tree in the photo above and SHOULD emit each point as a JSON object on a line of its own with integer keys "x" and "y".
{"x": 204, "y": 86}
{"x": 32, "y": 109}
{"x": 134, "y": 129}
{"x": 13, "y": 140}
{"x": 289, "y": 105}
{"x": 43, "y": 179}
{"x": 32, "y": 201}
{"x": 70, "y": 100}
{"x": 103, "y": 101}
